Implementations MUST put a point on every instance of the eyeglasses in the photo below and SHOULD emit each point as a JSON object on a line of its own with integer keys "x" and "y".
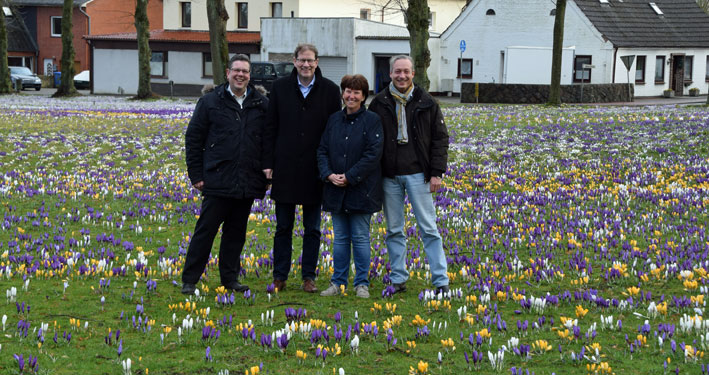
{"x": 303, "y": 61}
{"x": 242, "y": 71}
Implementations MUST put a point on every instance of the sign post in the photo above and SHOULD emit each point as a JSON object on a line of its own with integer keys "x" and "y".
{"x": 628, "y": 62}
{"x": 584, "y": 68}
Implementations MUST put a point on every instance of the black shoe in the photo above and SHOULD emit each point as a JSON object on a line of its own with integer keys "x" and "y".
{"x": 188, "y": 288}
{"x": 236, "y": 286}
{"x": 442, "y": 289}
{"x": 399, "y": 288}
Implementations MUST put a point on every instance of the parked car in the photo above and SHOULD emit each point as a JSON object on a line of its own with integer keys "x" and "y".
{"x": 265, "y": 72}
{"x": 82, "y": 81}
{"x": 20, "y": 75}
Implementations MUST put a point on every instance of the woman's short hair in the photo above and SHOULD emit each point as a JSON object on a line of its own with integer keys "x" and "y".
{"x": 355, "y": 82}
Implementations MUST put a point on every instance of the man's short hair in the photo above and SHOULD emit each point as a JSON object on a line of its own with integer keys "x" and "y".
{"x": 355, "y": 82}
{"x": 396, "y": 58}
{"x": 305, "y": 47}
{"x": 239, "y": 57}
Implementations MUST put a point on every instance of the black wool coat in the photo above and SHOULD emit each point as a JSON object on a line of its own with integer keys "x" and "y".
{"x": 294, "y": 126}
{"x": 223, "y": 144}
{"x": 352, "y": 144}
{"x": 430, "y": 135}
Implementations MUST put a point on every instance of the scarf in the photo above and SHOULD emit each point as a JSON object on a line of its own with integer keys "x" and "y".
{"x": 401, "y": 100}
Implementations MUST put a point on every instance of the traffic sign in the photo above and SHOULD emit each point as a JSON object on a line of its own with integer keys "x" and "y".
{"x": 462, "y": 46}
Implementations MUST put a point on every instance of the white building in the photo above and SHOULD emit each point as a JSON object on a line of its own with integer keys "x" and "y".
{"x": 245, "y": 15}
{"x": 670, "y": 42}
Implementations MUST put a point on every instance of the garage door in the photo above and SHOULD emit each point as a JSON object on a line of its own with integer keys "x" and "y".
{"x": 333, "y": 68}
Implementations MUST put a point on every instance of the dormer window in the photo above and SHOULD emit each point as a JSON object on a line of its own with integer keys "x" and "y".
{"x": 656, "y": 9}
{"x": 490, "y": 12}
{"x": 603, "y": 1}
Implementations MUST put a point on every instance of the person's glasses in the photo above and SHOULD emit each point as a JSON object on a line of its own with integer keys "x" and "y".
{"x": 242, "y": 71}
{"x": 303, "y": 61}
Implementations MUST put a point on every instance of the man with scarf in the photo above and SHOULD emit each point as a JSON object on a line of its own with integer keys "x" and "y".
{"x": 414, "y": 159}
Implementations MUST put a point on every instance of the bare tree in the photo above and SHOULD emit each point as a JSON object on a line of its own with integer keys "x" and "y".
{"x": 383, "y": 9}
{"x": 66, "y": 86}
{"x": 557, "y": 50}
{"x": 142, "y": 28}
{"x": 417, "y": 15}
{"x": 218, "y": 17}
{"x": 5, "y": 84}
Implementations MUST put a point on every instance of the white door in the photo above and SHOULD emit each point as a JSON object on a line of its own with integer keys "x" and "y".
{"x": 48, "y": 67}
{"x": 333, "y": 68}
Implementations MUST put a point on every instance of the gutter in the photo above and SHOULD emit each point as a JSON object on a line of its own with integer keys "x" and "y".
{"x": 615, "y": 57}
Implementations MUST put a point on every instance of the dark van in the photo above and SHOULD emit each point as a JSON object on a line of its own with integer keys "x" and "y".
{"x": 265, "y": 72}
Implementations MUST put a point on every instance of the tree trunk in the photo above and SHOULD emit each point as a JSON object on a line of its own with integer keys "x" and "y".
{"x": 218, "y": 17}
{"x": 417, "y": 22}
{"x": 142, "y": 27}
{"x": 555, "y": 87}
{"x": 66, "y": 86}
{"x": 5, "y": 84}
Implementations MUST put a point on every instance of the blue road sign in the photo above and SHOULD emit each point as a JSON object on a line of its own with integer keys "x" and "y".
{"x": 462, "y": 46}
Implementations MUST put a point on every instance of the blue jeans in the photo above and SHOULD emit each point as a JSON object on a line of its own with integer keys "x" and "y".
{"x": 351, "y": 232}
{"x": 425, "y": 212}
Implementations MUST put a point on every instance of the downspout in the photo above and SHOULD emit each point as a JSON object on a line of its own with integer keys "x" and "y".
{"x": 615, "y": 57}
{"x": 87, "y": 17}
{"x": 91, "y": 62}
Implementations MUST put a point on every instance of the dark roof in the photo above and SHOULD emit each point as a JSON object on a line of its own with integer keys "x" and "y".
{"x": 19, "y": 38}
{"x": 633, "y": 23}
{"x": 45, "y": 3}
{"x": 182, "y": 36}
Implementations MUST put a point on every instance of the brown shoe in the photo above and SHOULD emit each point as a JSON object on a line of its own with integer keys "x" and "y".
{"x": 309, "y": 286}
{"x": 280, "y": 285}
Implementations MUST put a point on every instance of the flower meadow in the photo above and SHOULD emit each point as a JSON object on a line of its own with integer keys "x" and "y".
{"x": 576, "y": 241}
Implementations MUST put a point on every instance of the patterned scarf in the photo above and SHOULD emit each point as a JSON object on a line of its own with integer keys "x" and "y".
{"x": 401, "y": 100}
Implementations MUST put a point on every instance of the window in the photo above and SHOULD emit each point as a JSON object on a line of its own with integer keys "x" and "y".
{"x": 207, "y": 64}
{"x": 186, "y": 9}
{"x": 490, "y": 12}
{"x": 365, "y": 14}
{"x": 659, "y": 69}
{"x": 465, "y": 68}
{"x": 56, "y": 26}
{"x": 656, "y": 9}
{"x": 688, "y": 68}
{"x": 581, "y": 74}
{"x": 277, "y": 10}
{"x": 242, "y": 15}
{"x": 431, "y": 19}
{"x": 707, "y": 73}
{"x": 158, "y": 65}
{"x": 640, "y": 69}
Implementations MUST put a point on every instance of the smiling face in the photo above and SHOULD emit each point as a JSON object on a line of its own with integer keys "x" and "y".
{"x": 238, "y": 76}
{"x": 402, "y": 74}
{"x": 353, "y": 99}
{"x": 305, "y": 64}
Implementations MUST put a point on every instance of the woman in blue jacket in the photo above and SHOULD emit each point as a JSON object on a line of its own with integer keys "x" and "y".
{"x": 349, "y": 161}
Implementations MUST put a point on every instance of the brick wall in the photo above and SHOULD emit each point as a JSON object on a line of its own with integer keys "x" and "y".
{"x": 111, "y": 16}
{"x": 51, "y": 47}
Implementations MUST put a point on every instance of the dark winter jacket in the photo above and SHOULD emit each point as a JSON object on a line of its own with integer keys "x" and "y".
{"x": 430, "y": 135}
{"x": 223, "y": 144}
{"x": 294, "y": 126}
{"x": 352, "y": 144}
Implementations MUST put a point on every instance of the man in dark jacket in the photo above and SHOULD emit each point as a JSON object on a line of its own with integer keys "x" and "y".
{"x": 414, "y": 159}
{"x": 223, "y": 150}
{"x": 297, "y": 114}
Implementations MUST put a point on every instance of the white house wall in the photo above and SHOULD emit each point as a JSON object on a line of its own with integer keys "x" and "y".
{"x": 172, "y": 18}
{"x": 124, "y": 76}
{"x": 649, "y": 87}
{"x": 518, "y": 23}
{"x": 530, "y": 65}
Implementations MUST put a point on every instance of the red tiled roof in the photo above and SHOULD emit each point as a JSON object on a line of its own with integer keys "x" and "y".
{"x": 182, "y": 36}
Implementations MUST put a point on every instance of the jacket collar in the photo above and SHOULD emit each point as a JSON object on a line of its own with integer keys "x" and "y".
{"x": 253, "y": 97}
{"x": 294, "y": 76}
{"x": 353, "y": 116}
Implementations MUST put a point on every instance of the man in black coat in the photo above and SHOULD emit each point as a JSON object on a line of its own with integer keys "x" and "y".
{"x": 297, "y": 114}
{"x": 223, "y": 148}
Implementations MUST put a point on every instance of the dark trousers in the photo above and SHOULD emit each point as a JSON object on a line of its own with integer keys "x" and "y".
{"x": 283, "y": 240}
{"x": 234, "y": 214}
